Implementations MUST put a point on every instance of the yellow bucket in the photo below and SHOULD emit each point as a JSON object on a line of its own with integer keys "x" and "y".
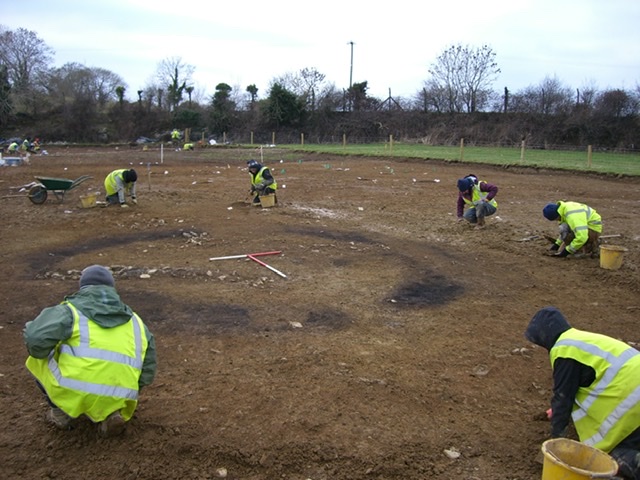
{"x": 566, "y": 459}
{"x": 611, "y": 256}
{"x": 88, "y": 201}
{"x": 267, "y": 200}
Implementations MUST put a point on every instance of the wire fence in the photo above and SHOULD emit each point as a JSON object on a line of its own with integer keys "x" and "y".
{"x": 584, "y": 159}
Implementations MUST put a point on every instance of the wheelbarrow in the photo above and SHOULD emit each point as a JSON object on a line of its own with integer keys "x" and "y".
{"x": 59, "y": 186}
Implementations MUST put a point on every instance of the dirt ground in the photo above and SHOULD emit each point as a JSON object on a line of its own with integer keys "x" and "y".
{"x": 394, "y": 343}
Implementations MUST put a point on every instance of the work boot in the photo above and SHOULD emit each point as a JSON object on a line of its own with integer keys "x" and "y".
{"x": 112, "y": 426}
{"x": 58, "y": 418}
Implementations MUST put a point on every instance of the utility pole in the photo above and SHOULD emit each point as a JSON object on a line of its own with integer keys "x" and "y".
{"x": 350, "y": 77}
{"x": 351, "y": 69}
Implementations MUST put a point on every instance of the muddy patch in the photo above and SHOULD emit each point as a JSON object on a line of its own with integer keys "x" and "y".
{"x": 432, "y": 290}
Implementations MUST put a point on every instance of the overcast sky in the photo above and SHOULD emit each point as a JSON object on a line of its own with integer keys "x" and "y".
{"x": 579, "y": 42}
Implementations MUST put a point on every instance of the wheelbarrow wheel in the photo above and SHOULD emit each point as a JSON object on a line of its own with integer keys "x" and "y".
{"x": 38, "y": 194}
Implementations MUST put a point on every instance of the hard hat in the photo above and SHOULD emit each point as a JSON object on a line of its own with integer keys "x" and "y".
{"x": 253, "y": 164}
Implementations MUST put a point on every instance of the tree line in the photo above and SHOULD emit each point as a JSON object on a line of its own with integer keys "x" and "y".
{"x": 78, "y": 103}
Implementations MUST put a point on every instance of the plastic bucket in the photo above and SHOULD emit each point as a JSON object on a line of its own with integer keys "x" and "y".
{"x": 88, "y": 201}
{"x": 267, "y": 200}
{"x": 566, "y": 459}
{"x": 611, "y": 256}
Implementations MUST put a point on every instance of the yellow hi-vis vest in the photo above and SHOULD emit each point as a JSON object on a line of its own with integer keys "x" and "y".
{"x": 608, "y": 410}
{"x": 110, "y": 184}
{"x": 95, "y": 372}
{"x": 580, "y": 219}
{"x": 258, "y": 178}
{"x": 477, "y": 195}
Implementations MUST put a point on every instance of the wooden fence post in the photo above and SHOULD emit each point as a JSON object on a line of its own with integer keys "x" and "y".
{"x": 589, "y": 156}
{"x": 522, "y": 151}
{"x": 462, "y": 149}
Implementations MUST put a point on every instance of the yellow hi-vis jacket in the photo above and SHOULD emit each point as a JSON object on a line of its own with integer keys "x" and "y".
{"x": 257, "y": 178}
{"x": 580, "y": 219}
{"x": 114, "y": 183}
{"x": 477, "y": 195}
{"x": 95, "y": 372}
{"x": 608, "y": 410}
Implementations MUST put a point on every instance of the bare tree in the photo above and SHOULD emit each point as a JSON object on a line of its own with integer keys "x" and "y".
{"x": 6, "y": 106}
{"x": 25, "y": 55}
{"x": 307, "y": 84}
{"x": 173, "y": 75}
{"x": 550, "y": 97}
{"x": 27, "y": 59}
{"x": 74, "y": 80}
{"x": 462, "y": 77}
{"x": 615, "y": 103}
{"x": 586, "y": 95}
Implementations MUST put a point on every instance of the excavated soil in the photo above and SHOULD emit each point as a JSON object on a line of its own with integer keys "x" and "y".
{"x": 393, "y": 349}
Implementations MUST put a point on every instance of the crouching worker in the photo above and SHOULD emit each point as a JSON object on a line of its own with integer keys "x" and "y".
{"x": 596, "y": 383}
{"x": 262, "y": 182}
{"x": 91, "y": 355}
{"x": 580, "y": 228}
{"x": 120, "y": 183}
{"x": 479, "y": 197}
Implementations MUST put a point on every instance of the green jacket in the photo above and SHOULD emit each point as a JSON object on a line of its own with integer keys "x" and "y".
{"x": 100, "y": 303}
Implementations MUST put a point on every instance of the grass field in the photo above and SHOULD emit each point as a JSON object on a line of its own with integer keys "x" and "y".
{"x": 600, "y": 162}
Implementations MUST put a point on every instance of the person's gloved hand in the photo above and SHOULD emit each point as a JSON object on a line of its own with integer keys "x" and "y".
{"x": 563, "y": 253}
{"x": 124, "y": 205}
{"x": 134, "y": 200}
{"x": 554, "y": 248}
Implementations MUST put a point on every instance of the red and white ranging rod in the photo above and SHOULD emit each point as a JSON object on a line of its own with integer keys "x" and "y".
{"x": 253, "y": 256}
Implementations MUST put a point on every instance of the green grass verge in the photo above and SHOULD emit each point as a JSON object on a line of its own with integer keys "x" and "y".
{"x": 600, "y": 162}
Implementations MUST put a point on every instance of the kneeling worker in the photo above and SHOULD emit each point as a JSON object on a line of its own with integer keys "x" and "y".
{"x": 580, "y": 227}
{"x": 596, "y": 384}
{"x": 262, "y": 182}
{"x": 120, "y": 183}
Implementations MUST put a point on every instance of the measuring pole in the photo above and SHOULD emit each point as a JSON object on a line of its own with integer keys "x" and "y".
{"x": 268, "y": 266}
{"x": 230, "y": 257}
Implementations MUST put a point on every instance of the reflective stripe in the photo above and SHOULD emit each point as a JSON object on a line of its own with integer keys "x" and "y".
{"x": 623, "y": 407}
{"x": 84, "y": 350}
{"x": 88, "y": 387}
{"x": 83, "y": 325}
{"x": 97, "y": 353}
{"x": 616, "y": 363}
{"x": 579, "y": 210}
